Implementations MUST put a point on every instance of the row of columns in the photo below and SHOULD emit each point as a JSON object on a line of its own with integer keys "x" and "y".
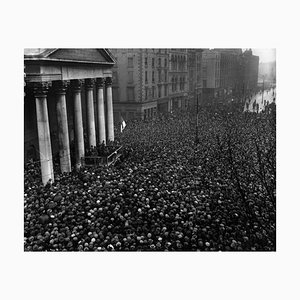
{"x": 40, "y": 92}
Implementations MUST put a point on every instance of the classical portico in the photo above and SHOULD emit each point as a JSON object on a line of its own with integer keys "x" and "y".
{"x": 65, "y": 76}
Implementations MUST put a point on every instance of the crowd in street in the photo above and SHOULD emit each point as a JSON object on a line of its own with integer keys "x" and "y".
{"x": 167, "y": 193}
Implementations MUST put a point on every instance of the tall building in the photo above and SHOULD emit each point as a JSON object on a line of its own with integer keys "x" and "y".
{"x": 251, "y": 63}
{"x": 178, "y": 79}
{"x": 194, "y": 74}
{"x": 140, "y": 82}
{"x": 267, "y": 71}
{"x": 68, "y": 100}
{"x": 210, "y": 74}
{"x": 147, "y": 81}
{"x": 227, "y": 72}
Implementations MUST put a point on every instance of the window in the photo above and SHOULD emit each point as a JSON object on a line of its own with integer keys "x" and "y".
{"x": 166, "y": 76}
{"x": 153, "y": 92}
{"x": 130, "y": 62}
{"x": 166, "y": 90}
{"x": 146, "y": 93}
{"x": 159, "y": 91}
{"x": 130, "y": 77}
{"x": 159, "y": 62}
{"x": 153, "y": 62}
{"x": 146, "y": 62}
{"x": 159, "y": 76}
{"x": 146, "y": 77}
{"x": 130, "y": 94}
{"x": 166, "y": 63}
{"x": 153, "y": 79}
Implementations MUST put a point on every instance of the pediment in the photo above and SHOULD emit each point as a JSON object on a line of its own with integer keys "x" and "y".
{"x": 89, "y": 55}
{"x": 79, "y": 55}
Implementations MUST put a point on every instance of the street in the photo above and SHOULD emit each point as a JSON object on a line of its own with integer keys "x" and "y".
{"x": 268, "y": 97}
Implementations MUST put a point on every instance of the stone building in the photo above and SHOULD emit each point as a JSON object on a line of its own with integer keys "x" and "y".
{"x": 210, "y": 74}
{"x": 194, "y": 75}
{"x": 68, "y": 100}
{"x": 178, "y": 79}
{"x": 250, "y": 74}
{"x": 149, "y": 80}
{"x": 228, "y": 73}
{"x": 140, "y": 81}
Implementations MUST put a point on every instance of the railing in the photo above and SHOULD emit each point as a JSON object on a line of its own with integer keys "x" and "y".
{"x": 113, "y": 157}
{"x": 90, "y": 161}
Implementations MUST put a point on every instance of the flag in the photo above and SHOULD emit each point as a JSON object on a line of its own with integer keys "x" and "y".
{"x": 123, "y": 124}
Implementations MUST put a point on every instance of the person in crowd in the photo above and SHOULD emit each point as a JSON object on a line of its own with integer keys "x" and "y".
{"x": 166, "y": 193}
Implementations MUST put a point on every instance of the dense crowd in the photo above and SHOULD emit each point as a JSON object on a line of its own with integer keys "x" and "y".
{"x": 167, "y": 193}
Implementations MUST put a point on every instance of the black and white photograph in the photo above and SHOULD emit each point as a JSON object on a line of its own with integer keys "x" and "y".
{"x": 150, "y": 149}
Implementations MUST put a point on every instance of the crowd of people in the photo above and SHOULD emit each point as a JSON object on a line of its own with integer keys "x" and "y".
{"x": 167, "y": 193}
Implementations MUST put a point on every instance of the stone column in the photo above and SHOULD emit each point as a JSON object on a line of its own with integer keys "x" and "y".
{"x": 79, "y": 138}
{"x": 40, "y": 92}
{"x": 110, "y": 114}
{"x": 62, "y": 122}
{"x": 89, "y": 85}
{"x": 101, "y": 111}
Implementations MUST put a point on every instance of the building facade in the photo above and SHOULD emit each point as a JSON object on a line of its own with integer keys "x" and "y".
{"x": 68, "y": 101}
{"x": 250, "y": 74}
{"x": 138, "y": 82}
{"x": 210, "y": 74}
{"x": 178, "y": 79}
{"x": 194, "y": 75}
{"x": 147, "y": 81}
{"x": 228, "y": 73}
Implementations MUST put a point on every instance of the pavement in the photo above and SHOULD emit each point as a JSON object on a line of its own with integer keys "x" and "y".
{"x": 269, "y": 95}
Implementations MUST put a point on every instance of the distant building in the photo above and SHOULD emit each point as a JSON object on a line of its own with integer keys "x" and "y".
{"x": 250, "y": 75}
{"x": 267, "y": 70}
{"x": 194, "y": 74}
{"x": 178, "y": 80}
{"x": 163, "y": 84}
{"x": 228, "y": 72}
{"x": 210, "y": 74}
{"x": 147, "y": 81}
{"x": 140, "y": 79}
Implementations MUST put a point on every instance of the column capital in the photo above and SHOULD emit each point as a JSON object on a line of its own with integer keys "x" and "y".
{"x": 77, "y": 84}
{"x": 41, "y": 88}
{"x": 60, "y": 86}
{"x": 100, "y": 82}
{"x": 89, "y": 83}
{"x": 108, "y": 81}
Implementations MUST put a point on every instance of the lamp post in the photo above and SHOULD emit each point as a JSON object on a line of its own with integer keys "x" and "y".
{"x": 262, "y": 99}
{"x": 197, "y": 119}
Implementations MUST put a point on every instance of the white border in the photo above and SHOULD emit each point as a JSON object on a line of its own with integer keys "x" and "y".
{"x": 243, "y": 24}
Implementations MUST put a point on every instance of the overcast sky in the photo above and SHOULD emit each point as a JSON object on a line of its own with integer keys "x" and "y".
{"x": 265, "y": 54}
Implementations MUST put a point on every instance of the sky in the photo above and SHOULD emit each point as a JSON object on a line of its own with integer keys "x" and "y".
{"x": 265, "y": 54}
